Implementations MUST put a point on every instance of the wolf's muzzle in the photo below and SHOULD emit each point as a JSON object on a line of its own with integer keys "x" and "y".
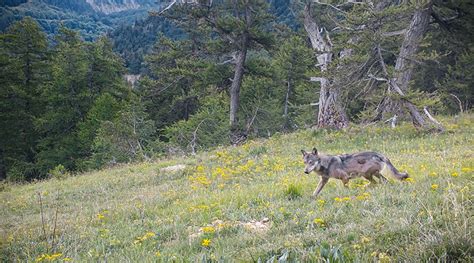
{"x": 306, "y": 172}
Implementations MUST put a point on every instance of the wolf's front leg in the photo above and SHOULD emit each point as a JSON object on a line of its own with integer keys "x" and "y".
{"x": 321, "y": 184}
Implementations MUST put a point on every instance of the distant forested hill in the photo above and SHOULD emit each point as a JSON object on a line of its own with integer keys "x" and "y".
{"x": 91, "y": 17}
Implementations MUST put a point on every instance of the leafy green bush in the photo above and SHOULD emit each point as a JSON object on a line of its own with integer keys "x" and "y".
{"x": 59, "y": 172}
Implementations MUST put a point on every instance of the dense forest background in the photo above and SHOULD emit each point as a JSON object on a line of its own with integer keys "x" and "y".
{"x": 219, "y": 72}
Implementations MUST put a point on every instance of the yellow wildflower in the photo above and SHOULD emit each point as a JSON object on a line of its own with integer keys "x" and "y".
{"x": 346, "y": 198}
{"x": 41, "y": 258}
{"x": 356, "y": 246}
{"x": 319, "y": 221}
{"x": 364, "y": 239}
{"x": 100, "y": 216}
{"x": 454, "y": 174}
{"x": 434, "y": 186}
{"x": 206, "y": 242}
{"x": 147, "y": 235}
{"x": 67, "y": 259}
{"x": 208, "y": 229}
{"x": 158, "y": 254}
{"x": 374, "y": 254}
{"x": 410, "y": 180}
{"x": 321, "y": 202}
{"x": 433, "y": 174}
{"x": 384, "y": 258}
{"x": 363, "y": 196}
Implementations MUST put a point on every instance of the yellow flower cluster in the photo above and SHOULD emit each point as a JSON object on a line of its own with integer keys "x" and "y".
{"x": 383, "y": 257}
{"x": 146, "y": 236}
{"x": 47, "y": 257}
{"x": 208, "y": 229}
{"x": 199, "y": 177}
{"x": 363, "y": 196}
{"x": 409, "y": 180}
{"x": 343, "y": 199}
{"x": 434, "y": 186}
{"x": 100, "y": 216}
{"x": 320, "y": 222}
{"x": 364, "y": 239}
{"x": 206, "y": 242}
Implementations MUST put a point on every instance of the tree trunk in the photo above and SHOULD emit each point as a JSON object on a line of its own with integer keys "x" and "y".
{"x": 405, "y": 64}
{"x": 331, "y": 114}
{"x": 3, "y": 169}
{"x": 405, "y": 61}
{"x": 235, "y": 87}
{"x": 287, "y": 102}
{"x": 403, "y": 71}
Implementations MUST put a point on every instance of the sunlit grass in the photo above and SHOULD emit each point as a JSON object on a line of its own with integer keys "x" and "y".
{"x": 217, "y": 208}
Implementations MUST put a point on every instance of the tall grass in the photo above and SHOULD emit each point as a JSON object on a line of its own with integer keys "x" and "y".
{"x": 215, "y": 208}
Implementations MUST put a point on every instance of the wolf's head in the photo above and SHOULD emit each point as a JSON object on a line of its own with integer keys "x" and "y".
{"x": 311, "y": 161}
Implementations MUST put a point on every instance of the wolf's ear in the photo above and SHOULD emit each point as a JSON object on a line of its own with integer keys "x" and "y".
{"x": 303, "y": 152}
{"x": 315, "y": 151}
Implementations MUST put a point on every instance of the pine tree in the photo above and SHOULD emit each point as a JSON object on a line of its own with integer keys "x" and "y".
{"x": 68, "y": 99}
{"x": 293, "y": 62}
{"x": 241, "y": 25}
{"x": 24, "y": 71}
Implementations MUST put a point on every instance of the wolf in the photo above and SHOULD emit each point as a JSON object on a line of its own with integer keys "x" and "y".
{"x": 348, "y": 166}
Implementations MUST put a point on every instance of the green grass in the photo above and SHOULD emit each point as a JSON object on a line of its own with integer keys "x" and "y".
{"x": 136, "y": 213}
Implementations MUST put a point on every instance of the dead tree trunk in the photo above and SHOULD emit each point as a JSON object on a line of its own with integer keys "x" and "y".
{"x": 235, "y": 87}
{"x": 404, "y": 68}
{"x": 330, "y": 114}
{"x": 286, "y": 124}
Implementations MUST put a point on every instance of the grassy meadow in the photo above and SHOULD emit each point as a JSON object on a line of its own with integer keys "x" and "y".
{"x": 253, "y": 203}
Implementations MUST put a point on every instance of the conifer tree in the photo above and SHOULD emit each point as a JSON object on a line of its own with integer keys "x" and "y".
{"x": 24, "y": 70}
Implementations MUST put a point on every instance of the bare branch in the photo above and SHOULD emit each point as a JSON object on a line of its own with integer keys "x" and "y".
{"x": 193, "y": 141}
{"x": 377, "y": 78}
{"x": 168, "y": 7}
{"x": 394, "y": 33}
{"x": 332, "y": 6}
{"x": 432, "y": 119}
{"x": 459, "y": 102}
{"x": 252, "y": 120}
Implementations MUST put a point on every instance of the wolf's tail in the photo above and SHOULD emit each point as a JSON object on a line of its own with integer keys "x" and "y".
{"x": 393, "y": 171}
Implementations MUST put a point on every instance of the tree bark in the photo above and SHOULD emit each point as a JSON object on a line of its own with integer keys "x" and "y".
{"x": 330, "y": 114}
{"x": 287, "y": 102}
{"x": 3, "y": 170}
{"x": 405, "y": 61}
{"x": 236, "y": 83}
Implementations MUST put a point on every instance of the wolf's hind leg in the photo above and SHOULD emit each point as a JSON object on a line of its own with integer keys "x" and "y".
{"x": 321, "y": 184}
{"x": 370, "y": 178}
{"x": 381, "y": 178}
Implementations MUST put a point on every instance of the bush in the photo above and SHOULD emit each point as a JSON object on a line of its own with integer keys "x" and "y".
{"x": 59, "y": 172}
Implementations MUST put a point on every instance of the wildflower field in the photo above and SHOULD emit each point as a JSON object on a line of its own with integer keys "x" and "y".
{"x": 253, "y": 203}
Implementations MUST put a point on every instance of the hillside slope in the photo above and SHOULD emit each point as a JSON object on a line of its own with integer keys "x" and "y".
{"x": 253, "y": 202}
